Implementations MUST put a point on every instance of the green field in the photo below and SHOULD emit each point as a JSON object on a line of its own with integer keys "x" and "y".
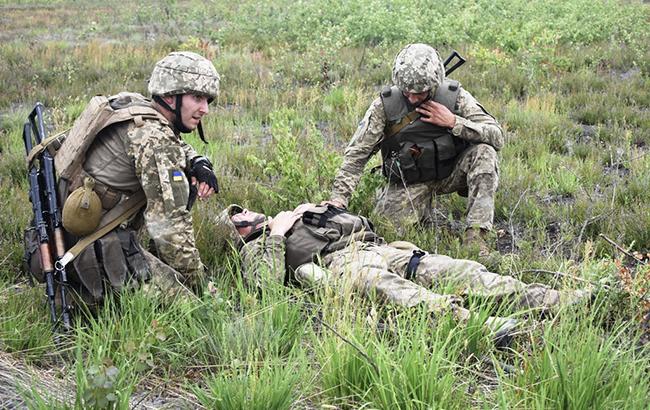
{"x": 568, "y": 80}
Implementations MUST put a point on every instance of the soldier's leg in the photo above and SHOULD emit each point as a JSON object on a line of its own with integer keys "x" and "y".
{"x": 366, "y": 270}
{"x": 472, "y": 278}
{"x": 476, "y": 175}
{"x": 404, "y": 206}
{"x": 165, "y": 282}
{"x": 372, "y": 271}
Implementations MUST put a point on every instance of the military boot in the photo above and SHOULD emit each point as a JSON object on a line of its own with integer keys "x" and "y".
{"x": 502, "y": 330}
{"x": 475, "y": 238}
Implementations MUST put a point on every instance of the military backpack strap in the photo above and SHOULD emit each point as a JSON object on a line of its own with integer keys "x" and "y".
{"x": 396, "y": 111}
{"x": 397, "y": 127}
{"x": 111, "y": 220}
{"x": 52, "y": 144}
{"x": 320, "y": 219}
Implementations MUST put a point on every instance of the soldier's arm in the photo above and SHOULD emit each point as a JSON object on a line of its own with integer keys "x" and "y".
{"x": 263, "y": 261}
{"x": 159, "y": 164}
{"x": 475, "y": 124}
{"x": 189, "y": 151}
{"x": 364, "y": 143}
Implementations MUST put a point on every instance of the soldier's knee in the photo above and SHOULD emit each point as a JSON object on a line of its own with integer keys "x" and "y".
{"x": 486, "y": 154}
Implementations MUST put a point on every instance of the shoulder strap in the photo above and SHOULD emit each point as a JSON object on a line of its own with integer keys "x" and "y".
{"x": 394, "y": 104}
{"x": 447, "y": 94}
{"x": 109, "y": 221}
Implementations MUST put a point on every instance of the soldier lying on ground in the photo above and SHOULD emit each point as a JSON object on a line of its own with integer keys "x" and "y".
{"x": 286, "y": 247}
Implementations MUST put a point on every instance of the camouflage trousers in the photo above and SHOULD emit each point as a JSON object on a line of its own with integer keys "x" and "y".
{"x": 380, "y": 270}
{"x": 476, "y": 176}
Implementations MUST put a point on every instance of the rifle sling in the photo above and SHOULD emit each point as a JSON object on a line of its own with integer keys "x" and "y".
{"x": 39, "y": 148}
{"x": 109, "y": 221}
{"x": 397, "y": 127}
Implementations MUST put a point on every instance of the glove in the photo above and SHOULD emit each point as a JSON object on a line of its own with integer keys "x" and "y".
{"x": 201, "y": 169}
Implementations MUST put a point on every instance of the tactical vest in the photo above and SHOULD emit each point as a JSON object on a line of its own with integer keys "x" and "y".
{"x": 322, "y": 230}
{"x": 415, "y": 151}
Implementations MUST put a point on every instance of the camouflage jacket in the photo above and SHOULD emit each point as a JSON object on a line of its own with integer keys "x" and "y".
{"x": 263, "y": 260}
{"x": 473, "y": 123}
{"x": 152, "y": 156}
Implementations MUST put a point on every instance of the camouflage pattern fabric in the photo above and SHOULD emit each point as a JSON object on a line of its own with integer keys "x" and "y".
{"x": 418, "y": 68}
{"x": 378, "y": 270}
{"x": 473, "y": 124}
{"x": 476, "y": 175}
{"x": 184, "y": 72}
{"x": 153, "y": 157}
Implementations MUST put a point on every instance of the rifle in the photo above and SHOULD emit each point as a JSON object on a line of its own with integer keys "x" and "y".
{"x": 47, "y": 215}
{"x": 449, "y": 59}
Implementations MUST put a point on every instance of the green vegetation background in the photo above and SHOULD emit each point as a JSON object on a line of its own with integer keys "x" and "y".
{"x": 567, "y": 79}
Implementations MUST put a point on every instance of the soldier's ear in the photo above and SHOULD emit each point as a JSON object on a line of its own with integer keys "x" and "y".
{"x": 170, "y": 100}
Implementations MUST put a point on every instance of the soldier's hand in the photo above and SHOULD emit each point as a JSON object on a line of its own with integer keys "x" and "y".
{"x": 300, "y": 209}
{"x": 334, "y": 202}
{"x": 204, "y": 190}
{"x": 201, "y": 172}
{"x": 283, "y": 221}
{"x": 436, "y": 114}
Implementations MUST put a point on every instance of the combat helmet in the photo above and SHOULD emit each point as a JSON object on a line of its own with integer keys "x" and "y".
{"x": 182, "y": 72}
{"x": 418, "y": 68}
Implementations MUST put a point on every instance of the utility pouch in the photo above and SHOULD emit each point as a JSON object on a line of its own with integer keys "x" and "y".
{"x": 113, "y": 260}
{"x": 136, "y": 262}
{"x": 32, "y": 255}
{"x": 88, "y": 272}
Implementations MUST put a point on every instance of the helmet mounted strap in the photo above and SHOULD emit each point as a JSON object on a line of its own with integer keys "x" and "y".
{"x": 178, "y": 122}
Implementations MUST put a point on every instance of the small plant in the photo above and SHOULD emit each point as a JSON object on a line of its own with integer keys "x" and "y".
{"x": 101, "y": 387}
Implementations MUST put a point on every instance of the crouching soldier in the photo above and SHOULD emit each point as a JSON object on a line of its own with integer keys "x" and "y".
{"x": 286, "y": 247}
{"x": 434, "y": 138}
{"x": 122, "y": 166}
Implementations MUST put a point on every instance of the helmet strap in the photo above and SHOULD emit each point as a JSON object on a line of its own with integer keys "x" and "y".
{"x": 199, "y": 128}
{"x": 178, "y": 122}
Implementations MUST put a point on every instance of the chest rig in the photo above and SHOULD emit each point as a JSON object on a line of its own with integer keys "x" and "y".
{"x": 415, "y": 151}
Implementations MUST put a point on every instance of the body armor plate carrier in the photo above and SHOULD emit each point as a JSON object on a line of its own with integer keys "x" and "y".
{"x": 322, "y": 230}
{"x": 415, "y": 151}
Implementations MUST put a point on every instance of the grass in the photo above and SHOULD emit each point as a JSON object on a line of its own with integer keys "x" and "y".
{"x": 568, "y": 80}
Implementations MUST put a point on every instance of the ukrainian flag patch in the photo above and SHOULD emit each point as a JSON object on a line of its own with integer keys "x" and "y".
{"x": 177, "y": 175}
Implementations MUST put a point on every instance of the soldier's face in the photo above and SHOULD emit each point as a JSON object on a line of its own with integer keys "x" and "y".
{"x": 193, "y": 108}
{"x": 246, "y": 221}
{"x": 416, "y": 99}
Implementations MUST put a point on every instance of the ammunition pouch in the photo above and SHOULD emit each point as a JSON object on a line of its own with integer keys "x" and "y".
{"x": 421, "y": 158}
{"x": 115, "y": 261}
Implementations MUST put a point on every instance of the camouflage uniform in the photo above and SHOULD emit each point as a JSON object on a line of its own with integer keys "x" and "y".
{"x": 126, "y": 158}
{"x": 476, "y": 173}
{"x": 377, "y": 268}
{"x": 148, "y": 155}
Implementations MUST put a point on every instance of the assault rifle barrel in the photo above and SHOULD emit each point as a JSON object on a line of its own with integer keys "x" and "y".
{"x": 54, "y": 211}
{"x": 40, "y": 224}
